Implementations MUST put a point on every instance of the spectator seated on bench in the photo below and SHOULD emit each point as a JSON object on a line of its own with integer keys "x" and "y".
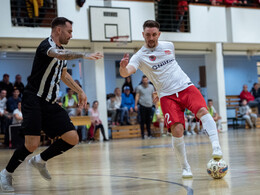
{"x": 70, "y": 103}
{"x": 192, "y": 122}
{"x": 252, "y": 102}
{"x": 85, "y": 128}
{"x": 11, "y": 105}
{"x": 246, "y": 114}
{"x": 96, "y": 123}
{"x": 215, "y": 115}
{"x": 14, "y": 135}
{"x": 112, "y": 109}
{"x": 3, "y": 112}
{"x": 127, "y": 105}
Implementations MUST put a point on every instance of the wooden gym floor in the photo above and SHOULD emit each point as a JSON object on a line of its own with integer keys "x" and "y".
{"x": 135, "y": 166}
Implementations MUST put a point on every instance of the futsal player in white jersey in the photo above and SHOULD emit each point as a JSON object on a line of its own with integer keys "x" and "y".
{"x": 174, "y": 88}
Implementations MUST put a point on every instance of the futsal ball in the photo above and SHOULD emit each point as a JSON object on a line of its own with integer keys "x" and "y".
{"x": 217, "y": 168}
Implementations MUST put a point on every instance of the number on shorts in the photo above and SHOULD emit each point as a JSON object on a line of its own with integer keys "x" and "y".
{"x": 167, "y": 116}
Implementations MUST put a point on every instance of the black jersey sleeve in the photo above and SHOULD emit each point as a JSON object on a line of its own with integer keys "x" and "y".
{"x": 44, "y": 47}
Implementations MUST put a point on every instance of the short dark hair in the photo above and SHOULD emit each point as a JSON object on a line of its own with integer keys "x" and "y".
{"x": 210, "y": 100}
{"x": 144, "y": 76}
{"x": 151, "y": 24}
{"x": 15, "y": 89}
{"x": 59, "y": 21}
{"x": 94, "y": 102}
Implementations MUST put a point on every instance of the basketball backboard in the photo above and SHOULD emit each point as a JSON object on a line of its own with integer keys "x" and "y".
{"x": 108, "y": 22}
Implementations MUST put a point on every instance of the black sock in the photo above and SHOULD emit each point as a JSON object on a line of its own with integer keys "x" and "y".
{"x": 18, "y": 157}
{"x": 57, "y": 148}
{"x": 103, "y": 132}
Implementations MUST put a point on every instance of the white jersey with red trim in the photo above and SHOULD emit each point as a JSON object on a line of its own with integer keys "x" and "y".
{"x": 160, "y": 66}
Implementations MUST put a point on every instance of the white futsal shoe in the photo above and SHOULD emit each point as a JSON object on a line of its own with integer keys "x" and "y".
{"x": 193, "y": 132}
{"x": 188, "y": 133}
{"x": 186, "y": 173}
{"x": 6, "y": 182}
{"x": 217, "y": 153}
{"x": 41, "y": 168}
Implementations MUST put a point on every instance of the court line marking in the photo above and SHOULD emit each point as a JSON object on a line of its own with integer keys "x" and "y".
{"x": 188, "y": 189}
{"x": 170, "y": 146}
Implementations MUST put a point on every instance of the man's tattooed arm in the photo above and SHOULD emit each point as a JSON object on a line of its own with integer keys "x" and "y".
{"x": 68, "y": 80}
{"x": 63, "y": 54}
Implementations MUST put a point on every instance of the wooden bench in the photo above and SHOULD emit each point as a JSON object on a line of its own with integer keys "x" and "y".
{"x": 81, "y": 120}
{"x": 2, "y": 138}
{"x": 156, "y": 132}
{"x": 232, "y": 101}
{"x": 128, "y": 131}
{"x": 238, "y": 118}
{"x": 258, "y": 123}
{"x": 133, "y": 131}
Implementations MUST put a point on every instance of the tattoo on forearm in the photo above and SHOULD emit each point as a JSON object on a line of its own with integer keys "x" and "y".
{"x": 69, "y": 55}
{"x": 72, "y": 84}
{"x": 66, "y": 54}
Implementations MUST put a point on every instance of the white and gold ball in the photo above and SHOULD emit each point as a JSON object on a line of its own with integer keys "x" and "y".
{"x": 217, "y": 168}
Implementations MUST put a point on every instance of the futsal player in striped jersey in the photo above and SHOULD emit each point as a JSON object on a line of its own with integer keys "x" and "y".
{"x": 174, "y": 88}
{"x": 39, "y": 107}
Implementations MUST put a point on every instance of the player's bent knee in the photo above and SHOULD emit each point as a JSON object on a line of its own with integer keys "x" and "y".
{"x": 32, "y": 142}
{"x": 202, "y": 111}
{"x": 71, "y": 137}
{"x": 177, "y": 130}
{"x": 31, "y": 147}
{"x": 74, "y": 140}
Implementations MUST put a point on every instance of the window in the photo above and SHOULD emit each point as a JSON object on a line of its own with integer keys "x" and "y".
{"x": 173, "y": 16}
{"x": 31, "y": 13}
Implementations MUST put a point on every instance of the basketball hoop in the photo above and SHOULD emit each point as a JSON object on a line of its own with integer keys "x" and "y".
{"x": 119, "y": 40}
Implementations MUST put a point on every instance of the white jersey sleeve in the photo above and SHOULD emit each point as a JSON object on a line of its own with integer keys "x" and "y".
{"x": 135, "y": 61}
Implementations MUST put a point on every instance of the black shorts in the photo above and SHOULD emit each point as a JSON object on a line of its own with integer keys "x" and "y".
{"x": 39, "y": 114}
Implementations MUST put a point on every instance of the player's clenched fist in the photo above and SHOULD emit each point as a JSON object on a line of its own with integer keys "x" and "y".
{"x": 124, "y": 61}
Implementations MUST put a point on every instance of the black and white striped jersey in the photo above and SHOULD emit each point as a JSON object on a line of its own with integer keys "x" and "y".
{"x": 46, "y": 72}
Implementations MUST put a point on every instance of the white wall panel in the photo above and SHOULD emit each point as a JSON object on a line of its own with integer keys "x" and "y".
{"x": 245, "y": 25}
{"x": 208, "y": 24}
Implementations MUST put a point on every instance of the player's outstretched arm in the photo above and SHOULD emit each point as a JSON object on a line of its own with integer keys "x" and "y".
{"x": 126, "y": 70}
{"x": 68, "y": 80}
{"x": 63, "y": 54}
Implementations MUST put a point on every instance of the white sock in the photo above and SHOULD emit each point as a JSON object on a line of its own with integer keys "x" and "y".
{"x": 38, "y": 159}
{"x": 211, "y": 128}
{"x": 193, "y": 125}
{"x": 219, "y": 124}
{"x": 161, "y": 125}
{"x": 198, "y": 125}
{"x": 186, "y": 126}
{"x": 5, "y": 172}
{"x": 180, "y": 151}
